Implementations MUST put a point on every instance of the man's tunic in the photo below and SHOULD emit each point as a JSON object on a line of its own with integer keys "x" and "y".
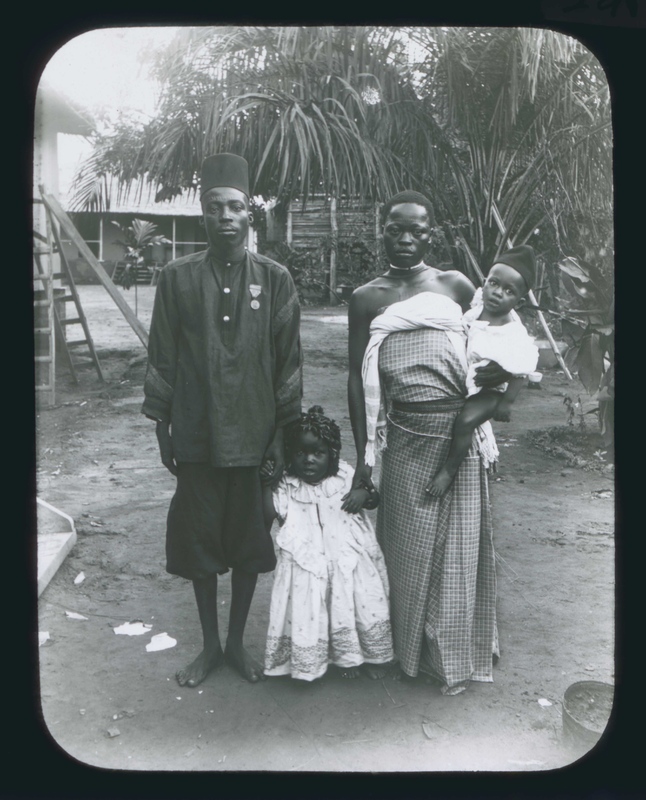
{"x": 224, "y": 357}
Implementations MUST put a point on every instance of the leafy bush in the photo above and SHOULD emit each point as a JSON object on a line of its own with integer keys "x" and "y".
{"x": 588, "y": 323}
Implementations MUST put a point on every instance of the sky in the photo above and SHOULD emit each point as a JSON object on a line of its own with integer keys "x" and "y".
{"x": 102, "y": 72}
{"x": 102, "y": 68}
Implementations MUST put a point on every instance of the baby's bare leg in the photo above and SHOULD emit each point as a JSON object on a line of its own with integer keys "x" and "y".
{"x": 477, "y": 409}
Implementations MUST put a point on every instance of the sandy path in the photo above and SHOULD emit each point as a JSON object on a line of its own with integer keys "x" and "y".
{"x": 98, "y": 461}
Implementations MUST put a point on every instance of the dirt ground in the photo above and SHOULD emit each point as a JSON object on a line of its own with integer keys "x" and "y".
{"x": 108, "y": 702}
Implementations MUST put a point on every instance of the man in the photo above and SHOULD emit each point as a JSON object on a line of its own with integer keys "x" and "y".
{"x": 438, "y": 552}
{"x": 223, "y": 379}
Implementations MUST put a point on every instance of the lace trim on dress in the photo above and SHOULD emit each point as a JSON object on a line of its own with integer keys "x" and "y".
{"x": 368, "y": 644}
{"x": 376, "y": 642}
{"x": 281, "y": 650}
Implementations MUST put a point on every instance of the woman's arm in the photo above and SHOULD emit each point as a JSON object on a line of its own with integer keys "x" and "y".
{"x": 503, "y": 411}
{"x": 461, "y": 288}
{"x": 359, "y": 318}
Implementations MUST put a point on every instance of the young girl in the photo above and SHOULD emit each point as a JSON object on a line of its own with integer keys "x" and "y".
{"x": 329, "y": 603}
{"x": 494, "y": 333}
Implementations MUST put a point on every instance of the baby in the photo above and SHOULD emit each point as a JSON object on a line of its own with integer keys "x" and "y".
{"x": 494, "y": 333}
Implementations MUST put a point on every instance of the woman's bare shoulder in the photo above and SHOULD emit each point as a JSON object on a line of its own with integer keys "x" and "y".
{"x": 380, "y": 282}
{"x": 455, "y": 277}
{"x": 461, "y": 287}
{"x": 371, "y": 295}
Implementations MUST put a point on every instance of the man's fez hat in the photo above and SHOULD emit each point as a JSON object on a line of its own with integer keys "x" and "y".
{"x": 523, "y": 260}
{"x": 224, "y": 169}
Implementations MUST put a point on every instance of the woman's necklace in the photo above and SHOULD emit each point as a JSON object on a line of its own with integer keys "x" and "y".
{"x": 408, "y": 270}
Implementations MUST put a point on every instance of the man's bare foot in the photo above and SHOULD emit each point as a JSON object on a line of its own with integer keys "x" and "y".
{"x": 350, "y": 672}
{"x": 440, "y": 483}
{"x": 237, "y": 657}
{"x": 197, "y": 670}
{"x": 376, "y": 671}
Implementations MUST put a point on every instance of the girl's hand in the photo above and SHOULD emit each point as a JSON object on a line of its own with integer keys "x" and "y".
{"x": 355, "y": 500}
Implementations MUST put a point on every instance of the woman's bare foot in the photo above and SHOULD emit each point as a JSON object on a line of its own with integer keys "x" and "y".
{"x": 197, "y": 670}
{"x": 237, "y": 657}
{"x": 457, "y": 688}
{"x": 429, "y": 680}
{"x": 440, "y": 483}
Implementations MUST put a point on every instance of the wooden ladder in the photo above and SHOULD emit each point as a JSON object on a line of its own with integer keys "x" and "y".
{"x": 44, "y": 338}
{"x": 60, "y": 321}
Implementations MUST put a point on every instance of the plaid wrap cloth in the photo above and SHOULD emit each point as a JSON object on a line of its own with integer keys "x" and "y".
{"x": 423, "y": 310}
{"x": 439, "y": 551}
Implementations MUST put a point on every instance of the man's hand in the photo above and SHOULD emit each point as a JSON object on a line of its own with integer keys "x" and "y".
{"x": 267, "y": 471}
{"x": 491, "y": 375}
{"x": 273, "y": 464}
{"x": 166, "y": 446}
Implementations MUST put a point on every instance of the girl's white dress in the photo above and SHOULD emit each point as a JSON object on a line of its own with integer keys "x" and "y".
{"x": 329, "y": 602}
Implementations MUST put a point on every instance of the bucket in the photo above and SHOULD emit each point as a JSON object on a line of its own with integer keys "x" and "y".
{"x": 586, "y": 711}
{"x": 534, "y": 380}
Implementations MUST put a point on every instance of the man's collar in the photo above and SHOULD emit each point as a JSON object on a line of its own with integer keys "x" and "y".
{"x": 218, "y": 259}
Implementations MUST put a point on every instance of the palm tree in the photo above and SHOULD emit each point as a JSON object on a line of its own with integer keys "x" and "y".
{"x": 311, "y": 109}
{"x": 515, "y": 117}
{"x": 528, "y": 116}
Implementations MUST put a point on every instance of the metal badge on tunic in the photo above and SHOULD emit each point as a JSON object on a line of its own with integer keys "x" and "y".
{"x": 255, "y": 291}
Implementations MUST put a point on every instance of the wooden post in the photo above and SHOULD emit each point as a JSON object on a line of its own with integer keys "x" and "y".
{"x": 333, "y": 251}
{"x": 472, "y": 259}
{"x": 290, "y": 224}
{"x": 68, "y": 226}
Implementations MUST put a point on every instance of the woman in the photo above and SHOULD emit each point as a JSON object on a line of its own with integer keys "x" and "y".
{"x": 438, "y": 551}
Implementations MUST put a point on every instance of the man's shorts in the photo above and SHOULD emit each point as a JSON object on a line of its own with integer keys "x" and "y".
{"x": 215, "y": 523}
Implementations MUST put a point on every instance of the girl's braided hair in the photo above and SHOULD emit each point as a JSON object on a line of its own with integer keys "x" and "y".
{"x": 325, "y": 428}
